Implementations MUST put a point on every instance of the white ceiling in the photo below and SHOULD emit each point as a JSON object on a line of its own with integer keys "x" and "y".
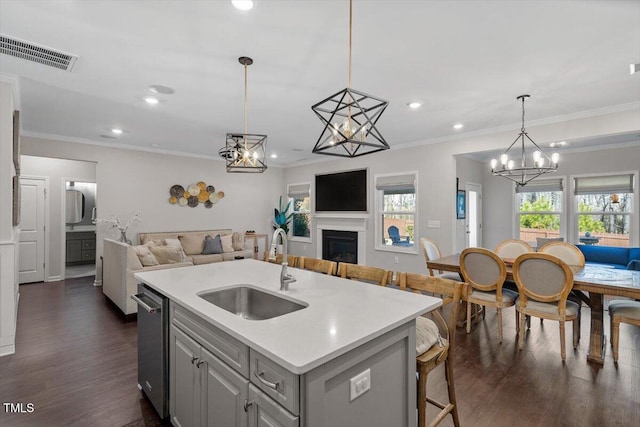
{"x": 466, "y": 60}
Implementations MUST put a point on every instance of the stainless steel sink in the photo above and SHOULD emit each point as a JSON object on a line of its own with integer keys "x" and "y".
{"x": 250, "y": 303}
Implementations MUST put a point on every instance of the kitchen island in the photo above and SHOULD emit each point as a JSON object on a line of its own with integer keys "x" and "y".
{"x": 346, "y": 358}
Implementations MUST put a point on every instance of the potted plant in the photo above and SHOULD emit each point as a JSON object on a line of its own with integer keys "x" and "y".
{"x": 282, "y": 218}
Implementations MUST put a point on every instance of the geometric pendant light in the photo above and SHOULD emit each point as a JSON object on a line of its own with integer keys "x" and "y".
{"x": 526, "y": 164}
{"x": 245, "y": 152}
{"x": 349, "y": 118}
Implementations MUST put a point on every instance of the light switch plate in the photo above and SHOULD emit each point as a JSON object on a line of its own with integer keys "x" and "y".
{"x": 360, "y": 384}
{"x": 432, "y": 223}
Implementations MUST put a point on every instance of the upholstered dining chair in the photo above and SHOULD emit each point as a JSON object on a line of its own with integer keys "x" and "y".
{"x": 573, "y": 257}
{"x": 433, "y": 349}
{"x": 544, "y": 282}
{"x": 512, "y": 248}
{"x": 622, "y": 311}
{"x": 485, "y": 272}
{"x": 431, "y": 251}
{"x": 318, "y": 265}
{"x": 363, "y": 273}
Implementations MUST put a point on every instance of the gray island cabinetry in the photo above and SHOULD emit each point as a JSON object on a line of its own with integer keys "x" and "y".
{"x": 347, "y": 358}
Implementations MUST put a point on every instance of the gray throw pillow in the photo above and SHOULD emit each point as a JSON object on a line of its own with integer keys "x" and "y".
{"x": 212, "y": 245}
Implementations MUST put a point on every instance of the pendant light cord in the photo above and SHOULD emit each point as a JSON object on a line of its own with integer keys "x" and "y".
{"x": 522, "y": 129}
{"x": 245, "y": 104}
{"x": 350, "y": 25}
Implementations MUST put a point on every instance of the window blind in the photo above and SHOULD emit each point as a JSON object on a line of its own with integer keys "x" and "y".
{"x": 299, "y": 191}
{"x": 541, "y": 186}
{"x": 604, "y": 184}
{"x": 397, "y": 183}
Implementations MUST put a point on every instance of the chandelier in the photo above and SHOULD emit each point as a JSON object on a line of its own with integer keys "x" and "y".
{"x": 349, "y": 119}
{"x": 245, "y": 152}
{"x": 523, "y": 169}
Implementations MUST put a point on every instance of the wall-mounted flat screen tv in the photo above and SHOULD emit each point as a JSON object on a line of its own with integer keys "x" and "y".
{"x": 342, "y": 192}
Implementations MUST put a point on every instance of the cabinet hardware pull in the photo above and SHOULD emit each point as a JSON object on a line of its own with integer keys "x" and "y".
{"x": 247, "y": 403}
{"x": 260, "y": 376}
{"x": 194, "y": 359}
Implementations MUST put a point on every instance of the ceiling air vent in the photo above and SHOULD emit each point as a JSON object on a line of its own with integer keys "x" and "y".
{"x": 35, "y": 53}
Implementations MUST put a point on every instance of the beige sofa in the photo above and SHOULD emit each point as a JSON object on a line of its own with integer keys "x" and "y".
{"x": 120, "y": 262}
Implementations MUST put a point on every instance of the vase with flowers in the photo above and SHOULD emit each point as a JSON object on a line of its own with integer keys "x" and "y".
{"x": 113, "y": 222}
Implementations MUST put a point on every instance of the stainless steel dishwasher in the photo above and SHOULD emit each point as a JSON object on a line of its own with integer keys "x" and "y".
{"x": 153, "y": 350}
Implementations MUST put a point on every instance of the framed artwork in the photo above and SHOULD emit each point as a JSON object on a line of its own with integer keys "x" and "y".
{"x": 16, "y": 141}
{"x": 461, "y": 204}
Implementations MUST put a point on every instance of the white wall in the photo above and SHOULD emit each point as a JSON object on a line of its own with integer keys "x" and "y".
{"x": 129, "y": 181}
{"x": 498, "y": 192}
{"x": 437, "y": 170}
{"x": 58, "y": 171}
{"x": 8, "y": 233}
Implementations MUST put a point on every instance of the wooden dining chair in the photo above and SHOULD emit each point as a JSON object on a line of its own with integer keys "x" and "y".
{"x": 622, "y": 311}
{"x": 431, "y": 251}
{"x": 573, "y": 257}
{"x": 512, "y": 248}
{"x": 363, "y": 273}
{"x": 292, "y": 260}
{"x": 485, "y": 272}
{"x": 318, "y": 265}
{"x": 435, "y": 341}
{"x": 544, "y": 282}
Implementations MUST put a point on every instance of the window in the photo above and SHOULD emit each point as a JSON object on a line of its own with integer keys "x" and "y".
{"x": 396, "y": 208}
{"x": 540, "y": 210}
{"x": 299, "y": 196}
{"x": 604, "y": 209}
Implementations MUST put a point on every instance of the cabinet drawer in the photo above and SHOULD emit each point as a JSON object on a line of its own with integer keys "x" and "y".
{"x": 89, "y": 244}
{"x": 278, "y": 383}
{"x": 230, "y": 350}
{"x": 266, "y": 412}
{"x": 88, "y": 255}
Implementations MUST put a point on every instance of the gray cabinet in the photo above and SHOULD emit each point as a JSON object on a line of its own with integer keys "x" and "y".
{"x": 204, "y": 391}
{"x": 80, "y": 247}
{"x": 218, "y": 381}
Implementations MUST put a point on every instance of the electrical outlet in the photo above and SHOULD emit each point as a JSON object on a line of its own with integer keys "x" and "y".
{"x": 396, "y": 260}
{"x": 360, "y": 384}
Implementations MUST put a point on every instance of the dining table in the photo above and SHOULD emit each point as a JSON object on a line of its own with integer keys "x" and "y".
{"x": 597, "y": 280}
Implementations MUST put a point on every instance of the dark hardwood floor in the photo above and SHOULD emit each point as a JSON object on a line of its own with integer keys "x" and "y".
{"x": 76, "y": 363}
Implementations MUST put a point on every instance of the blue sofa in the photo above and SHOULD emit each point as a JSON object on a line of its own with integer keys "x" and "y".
{"x": 623, "y": 258}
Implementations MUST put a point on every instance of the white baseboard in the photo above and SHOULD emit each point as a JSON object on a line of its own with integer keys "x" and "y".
{"x": 7, "y": 350}
{"x": 97, "y": 282}
{"x": 54, "y": 278}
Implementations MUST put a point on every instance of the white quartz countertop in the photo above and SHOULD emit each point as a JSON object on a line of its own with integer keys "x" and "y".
{"x": 341, "y": 314}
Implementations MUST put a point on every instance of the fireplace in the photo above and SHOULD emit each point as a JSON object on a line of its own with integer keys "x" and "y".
{"x": 340, "y": 246}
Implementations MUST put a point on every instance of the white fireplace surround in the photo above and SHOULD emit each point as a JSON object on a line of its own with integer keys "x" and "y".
{"x": 343, "y": 222}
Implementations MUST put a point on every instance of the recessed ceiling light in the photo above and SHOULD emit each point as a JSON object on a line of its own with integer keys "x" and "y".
{"x": 151, "y": 100}
{"x": 116, "y": 131}
{"x": 414, "y": 104}
{"x": 242, "y": 4}
{"x": 164, "y": 90}
{"x": 458, "y": 126}
{"x": 274, "y": 156}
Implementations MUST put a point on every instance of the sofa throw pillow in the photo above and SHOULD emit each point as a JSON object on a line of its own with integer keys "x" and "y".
{"x": 192, "y": 244}
{"x": 237, "y": 241}
{"x": 175, "y": 243}
{"x": 212, "y": 245}
{"x": 227, "y": 243}
{"x": 167, "y": 254}
{"x": 147, "y": 259}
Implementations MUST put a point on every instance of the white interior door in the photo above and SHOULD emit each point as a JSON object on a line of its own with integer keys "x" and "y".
{"x": 32, "y": 227}
{"x": 473, "y": 222}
